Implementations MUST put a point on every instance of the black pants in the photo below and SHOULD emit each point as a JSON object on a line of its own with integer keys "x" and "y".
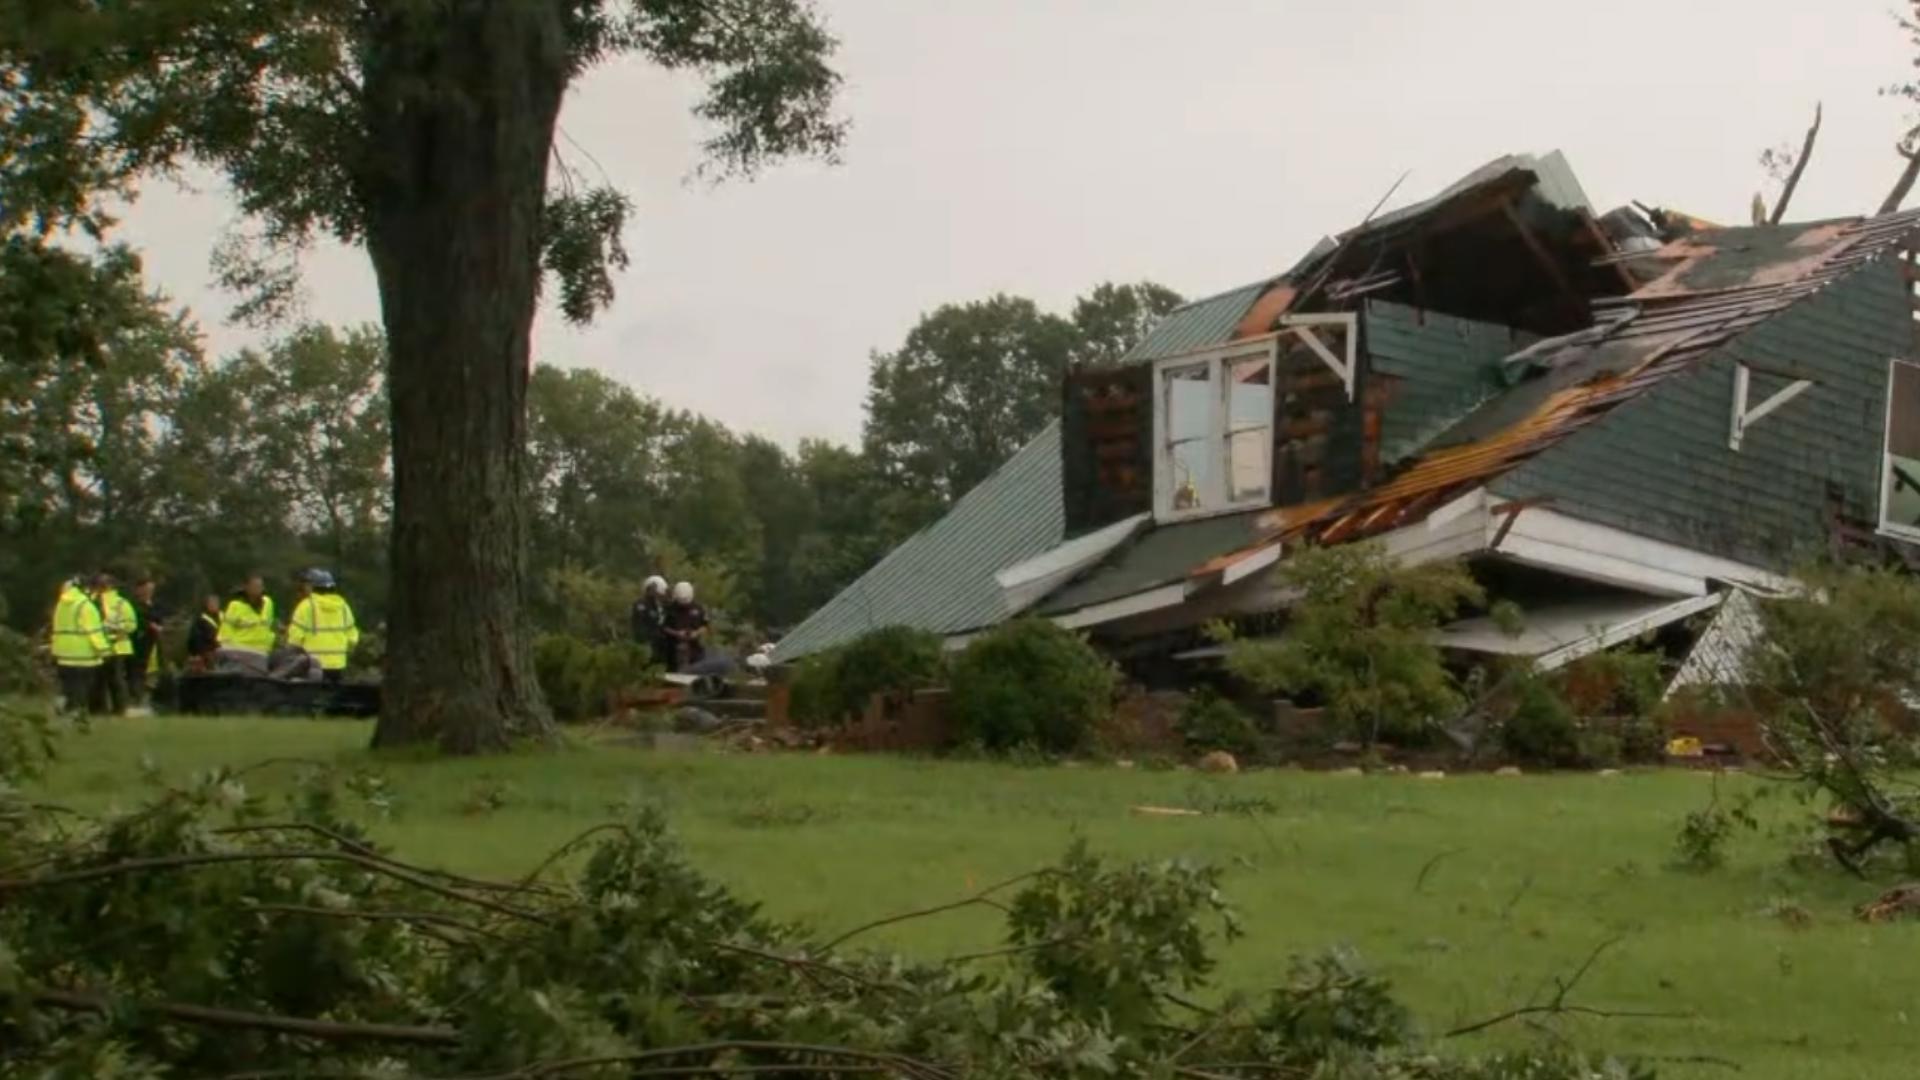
{"x": 110, "y": 688}
{"x": 79, "y": 687}
{"x": 137, "y": 672}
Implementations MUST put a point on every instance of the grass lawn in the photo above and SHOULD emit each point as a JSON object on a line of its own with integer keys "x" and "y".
{"x": 1523, "y": 877}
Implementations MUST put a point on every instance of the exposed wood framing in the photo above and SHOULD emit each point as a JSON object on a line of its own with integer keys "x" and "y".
{"x": 1344, "y": 366}
{"x": 1745, "y": 417}
{"x": 1547, "y": 262}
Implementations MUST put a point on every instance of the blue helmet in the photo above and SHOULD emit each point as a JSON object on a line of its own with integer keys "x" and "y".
{"x": 318, "y": 578}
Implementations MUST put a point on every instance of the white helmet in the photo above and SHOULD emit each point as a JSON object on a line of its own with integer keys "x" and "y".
{"x": 683, "y": 593}
{"x": 655, "y": 584}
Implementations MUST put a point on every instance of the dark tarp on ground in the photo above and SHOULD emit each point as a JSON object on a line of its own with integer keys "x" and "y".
{"x": 230, "y": 694}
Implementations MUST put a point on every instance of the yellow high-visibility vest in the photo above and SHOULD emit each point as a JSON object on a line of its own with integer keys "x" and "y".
{"x": 79, "y": 640}
{"x": 119, "y": 618}
{"x": 241, "y": 627}
{"x": 323, "y": 625}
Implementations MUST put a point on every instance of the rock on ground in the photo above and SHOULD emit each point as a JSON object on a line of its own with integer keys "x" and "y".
{"x": 1219, "y": 761}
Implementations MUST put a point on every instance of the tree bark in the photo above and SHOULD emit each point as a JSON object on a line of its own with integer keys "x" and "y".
{"x": 1799, "y": 169}
{"x": 462, "y": 98}
{"x": 1903, "y": 186}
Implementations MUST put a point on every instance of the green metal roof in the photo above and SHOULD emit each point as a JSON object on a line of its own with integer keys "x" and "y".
{"x": 1197, "y": 325}
{"x": 1554, "y": 182}
{"x": 942, "y": 578}
{"x": 1659, "y": 465}
{"x": 1164, "y": 555}
{"x": 1447, "y": 367}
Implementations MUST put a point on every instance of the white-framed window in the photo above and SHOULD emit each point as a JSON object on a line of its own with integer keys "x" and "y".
{"x": 1213, "y": 431}
{"x": 1900, "y": 459}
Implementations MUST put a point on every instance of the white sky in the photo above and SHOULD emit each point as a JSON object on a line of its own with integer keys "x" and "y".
{"x": 1040, "y": 146}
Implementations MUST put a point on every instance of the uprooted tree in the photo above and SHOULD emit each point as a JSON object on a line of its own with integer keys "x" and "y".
{"x": 423, "y": 130}
{"x": 214, "y": 932}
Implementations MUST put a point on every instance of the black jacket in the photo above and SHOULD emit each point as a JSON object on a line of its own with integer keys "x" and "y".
{"x": 648, "y": 616}
{"x": 203, "y": 636}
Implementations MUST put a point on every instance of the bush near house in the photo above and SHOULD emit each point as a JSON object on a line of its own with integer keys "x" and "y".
{"x": 1030, "y": 684}
{"x": 1211, "y": 722}
{"x": 1599, "y": 711}
{"x": 1360, "y": 641}
{"x": 835, "y": 686}
{"x": 580, "y": 679}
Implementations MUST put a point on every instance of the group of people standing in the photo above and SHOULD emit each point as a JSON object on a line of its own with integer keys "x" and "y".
{"x": 670, "y": 625}
{"x": 106, "y": 644}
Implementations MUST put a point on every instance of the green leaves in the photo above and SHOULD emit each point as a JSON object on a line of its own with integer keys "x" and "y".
{"x": 1359, "y": 640}
{"x": 212, "y": 932}
{"x": 581, "y": 247}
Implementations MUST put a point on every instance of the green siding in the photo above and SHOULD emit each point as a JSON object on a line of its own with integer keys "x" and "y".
{"x": 1659, "y": 466}
{"x": 1446, "y": 366}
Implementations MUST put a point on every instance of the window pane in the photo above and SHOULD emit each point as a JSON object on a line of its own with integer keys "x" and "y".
{"x": 1249, "y": 462}
{"x": 1903, "y": 448}
{"x": 1250, "y": 428}
{"x": 1250, "y": 393}
{"x": 1187, "y": 406}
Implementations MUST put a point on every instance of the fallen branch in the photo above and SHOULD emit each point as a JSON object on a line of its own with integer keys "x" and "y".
{"x": 423, "y": 918}
{"x": 1558, "y": 1006}
{"x": 977, "y": 899}
{"x": 871, "y": 1060}
{"x": 217, "y": 858}
{"x": 348, "y": 843}
{"x": 1420, "y": 880}
{"x": 326, "y": 1030}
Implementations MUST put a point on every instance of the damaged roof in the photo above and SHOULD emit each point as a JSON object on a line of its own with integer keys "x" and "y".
{"x": 1549, "y": 327}
{"x": 1655, "y": 333}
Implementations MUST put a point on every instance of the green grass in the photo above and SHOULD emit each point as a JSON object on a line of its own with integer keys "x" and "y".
{"x": 1523, "y": 877}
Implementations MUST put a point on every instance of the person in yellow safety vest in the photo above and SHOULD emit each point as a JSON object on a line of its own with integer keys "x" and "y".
{"x": 248, "y": 622}
{"x": 80, "y": 646}
{"x": 118, "y": 619}
{"x": 323, "y": 624}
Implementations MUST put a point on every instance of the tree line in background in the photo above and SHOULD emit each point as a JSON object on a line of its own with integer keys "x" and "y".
{"x": 123, "y": 445}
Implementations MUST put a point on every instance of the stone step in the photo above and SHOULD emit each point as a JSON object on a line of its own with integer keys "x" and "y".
{"x": 732, "y": 708}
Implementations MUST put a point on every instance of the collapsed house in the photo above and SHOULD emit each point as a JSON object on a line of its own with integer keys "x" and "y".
{"x": 1621, "y": 420}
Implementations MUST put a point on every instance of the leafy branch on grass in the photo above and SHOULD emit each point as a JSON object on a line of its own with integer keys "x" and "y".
{"x": 199, "y": 935}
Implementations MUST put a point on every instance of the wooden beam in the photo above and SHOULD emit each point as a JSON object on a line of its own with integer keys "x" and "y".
{"x": 1541, "y": 253}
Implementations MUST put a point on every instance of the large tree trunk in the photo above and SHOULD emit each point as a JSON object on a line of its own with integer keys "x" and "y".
{"x": 467, "y": 93}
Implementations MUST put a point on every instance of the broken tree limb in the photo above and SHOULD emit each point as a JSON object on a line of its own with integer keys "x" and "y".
{"x": 1557, "y": 1005}
{"x": 1799, "y": 168}
{"x": 1903, "y": 186}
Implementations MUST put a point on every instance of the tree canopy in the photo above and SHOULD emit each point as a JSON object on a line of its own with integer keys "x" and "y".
{"x": 423, "y": 130}
{"x": 974, "y": 381}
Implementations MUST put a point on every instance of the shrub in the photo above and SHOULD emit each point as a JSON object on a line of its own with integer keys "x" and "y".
{"x": 1621, "y": 682}
{"x": 1030, "y": 683}
{"x": 1211, "y": 722}
{"x": 836, "y": 685}
{"x": 1361, "y": 640}
{"x": 580, "y": 679}
{"x": 1540, "y": 728}
{"x": 19, "y": 672}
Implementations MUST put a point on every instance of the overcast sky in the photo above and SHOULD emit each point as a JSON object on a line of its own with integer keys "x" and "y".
{"x": 1037, "y": 147}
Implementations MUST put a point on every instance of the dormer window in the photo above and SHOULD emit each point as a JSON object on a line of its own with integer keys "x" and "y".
{"x": 1213, "y": 431}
